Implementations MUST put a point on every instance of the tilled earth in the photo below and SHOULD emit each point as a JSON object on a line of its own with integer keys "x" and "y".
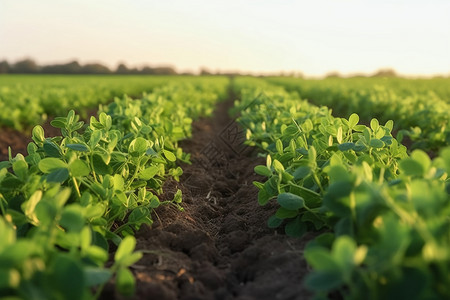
{"x": 220, "y": 246}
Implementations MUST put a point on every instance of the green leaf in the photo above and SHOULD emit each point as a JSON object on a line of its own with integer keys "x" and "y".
{"x": 38, "y": 134}
{"x": 58, "y": 175}
{"x": 263, "y": 170}
{"x": 125, "y": 248}
{"x": 96, "y": 276}
{"x": 148, "y": 173}
{"x": 20, "y": 168}
{"x": 284, "y": 213}
{"x": 422, "y": 158}
{"x": 279, "y": 146}
{"x": 274, "y": 222}
{"x": 321, "y": 259}
{"x": 291, "y": 201}
{"x": 301, "y": 172}
{"x": 58, "y": 122}
{"x": 376, "y": 143}
{"x": 169, "y": 155}
{"x": 138, "y": 214}
{"x": 95, "y": 138}
{"x": 263, "y": 196}
{"x": 389, "y": 125}
{"x": 100, "y": 167}
{"x": 97, "y": 254}
{"x": 278, "y": 167}
{"x": 78, "y": 147}
{"x": 51, "y": 149}
{"x": 131, "y": 259}
{"x": 353, "y": 120}
{"x": 343, "y": 252}
{"x": 138, "y": 145}
{"x": 45, "y": 212}
{"x": 51, "y": 164}
{"x": 324, "y": 280}
{"x": 28, "y": 207}
{"x": 79, "y": 168}
{"x": 72, "y": 218}
{"x": 339, "y": 135}
{"x": 346, "y": 146}
{"x": 374, "y": 124}
{"x": 411, "y": 167}
{"x": 295, "y": 228}
{"x": 67, "y": 278}
{"x": 125, "y": 282}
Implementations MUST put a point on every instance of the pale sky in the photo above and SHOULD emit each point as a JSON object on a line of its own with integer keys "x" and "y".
{"x": 314, "y": 36}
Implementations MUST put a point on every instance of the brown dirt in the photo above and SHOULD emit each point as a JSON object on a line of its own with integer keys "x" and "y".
{"x": 18, "y": 140}
{"x": 220, "y": 247}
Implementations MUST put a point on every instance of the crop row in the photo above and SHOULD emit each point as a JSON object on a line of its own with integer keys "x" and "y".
{"x": 385, "y": 213}
{"x": 73, "y": 195}
{"x": 27, "y": 100}
{"x": 420, "y": 108}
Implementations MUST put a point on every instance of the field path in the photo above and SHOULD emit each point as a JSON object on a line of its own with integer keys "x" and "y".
{"x": 220, "y": 246}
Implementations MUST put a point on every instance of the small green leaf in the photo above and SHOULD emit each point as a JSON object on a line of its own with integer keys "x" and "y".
{"x": 50, "y": 164}
{"x": 353, "y": 120}
{"x": 389, "y": 125}
{"x": 274, "y": 222}
{"x": 96, "y": 276}
{"x": 295, "y": 228}
{"x": 58, "y": 122}
{"x": 72, "y": 218}
{"x": 67, "y": 278}
{"x": 125, "y": 282}
{"x": 301, "y": 172}
{"x": 421, "y": 157}
{"x": 343, "y": 252}
{"x": 100, "y": 166}
{"x": 278, "y": 167}
{"x": 376, "y": 143}
{"x": 38, "y": 134}
{"x": 291, "y": 201}
{"x": 339, "y": 135}
{"x": 58, "y": 175}
{"x": 346, "y": 146}
{"x": 263, "y": 170}
{"x": 125, "y": 248}
{"x": 169, "y": 155}
{"x": 148, "y": 173}
{"x": 78, "y": 147}
{"x": 324, "y": 280}
{"x": 79, "y": 168}
{"x": 138, "y": 145}
{"x": 411, "y": 167}
{"x": 20, "y": 168}
{"x": 279, "y": 146}
{"x": 263, "y": 197}
{"x": 284, "y": 213}
{"x": 51, "y": 149}
{"x": 374, "y": 124}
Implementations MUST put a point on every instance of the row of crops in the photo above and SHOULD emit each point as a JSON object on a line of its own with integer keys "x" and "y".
{"x": 420, "y": 108}
{"x": 74, "y": 195}
{"x": 385, "y": 213}
{"x": 27, "y": 100}
{"x": 382, "y": 211}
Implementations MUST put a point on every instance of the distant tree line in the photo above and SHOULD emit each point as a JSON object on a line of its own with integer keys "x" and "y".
{"x": 29, "y": 66}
